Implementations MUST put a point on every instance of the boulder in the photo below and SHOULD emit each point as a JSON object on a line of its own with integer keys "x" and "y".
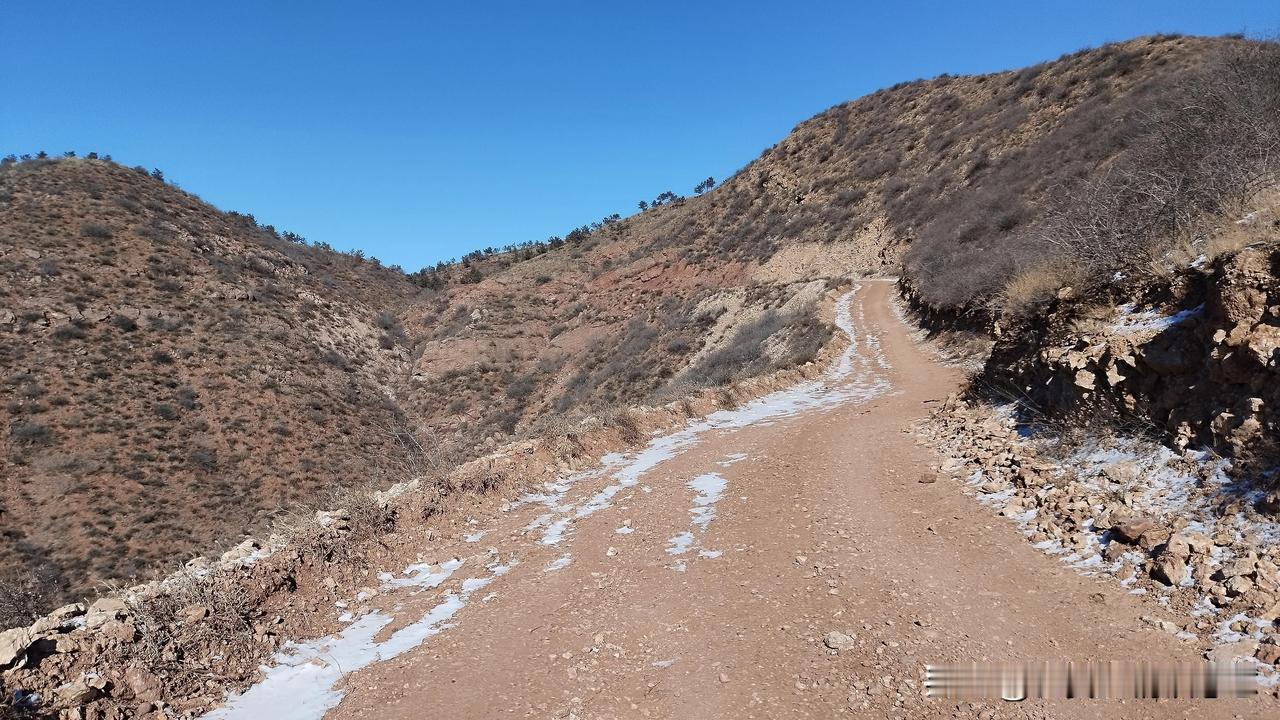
{"x": 1238, "y": 585}
{"x": 76, "y": 694}
{"x": 193, "y": 614}
{"x": 1240, "y": 566}
{"x": 1113, "y": 551}
{"x": 240, "y": 552}
{"x": 1130, "y": 530}
{"x": 146, "y": 687}
{"x": 61, "y": 619}
{"x": 104, "y": 610}
{"x": 1122, "y": 472}
{"x": 1269, "y": 652}
{"x": 1169, "y": 569}
{"x": 1262, "y": 344}
{"x": 1231, "y": 651}
{"x": 13, "y": 646}
{"x": 118, "y": 631}
{"x": 1184, "y": 543}
{"x": 1085, "y": 379}
{"x": 837, "y": 640}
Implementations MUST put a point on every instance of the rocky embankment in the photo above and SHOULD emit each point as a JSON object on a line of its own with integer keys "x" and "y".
{"x": 1170, "y": 524}
{"x": 1196, "y": 361}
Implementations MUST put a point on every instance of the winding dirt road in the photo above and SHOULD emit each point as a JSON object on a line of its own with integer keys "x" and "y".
{"x": 698, "y": 578}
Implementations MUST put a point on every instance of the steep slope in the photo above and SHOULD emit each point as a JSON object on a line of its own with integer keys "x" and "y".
{"x": 171, "y": 372}
{"x": 1086, "y": 177}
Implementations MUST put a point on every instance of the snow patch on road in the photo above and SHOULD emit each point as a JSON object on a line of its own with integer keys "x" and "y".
{"x": 301, "y": 685}
{"x": 839, "y": 385}
{"x": 731, "y": 459}
{"x": 680, "y": 543}
{"x": 710, "y": 488}
{"x": 559, "y": 563}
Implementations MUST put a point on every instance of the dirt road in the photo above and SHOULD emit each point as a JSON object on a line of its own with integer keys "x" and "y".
{"x": 698, "y": 578}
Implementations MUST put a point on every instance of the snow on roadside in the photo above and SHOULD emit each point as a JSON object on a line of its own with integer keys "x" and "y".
{"x": 1070, "y": 509}
{"x": 301, "y": 685}
{"x": 854, "y": 377}
{"x": 1130, "y": 320}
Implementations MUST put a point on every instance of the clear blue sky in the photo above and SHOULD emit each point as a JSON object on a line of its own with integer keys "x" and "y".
{"x": 420, "y": 130}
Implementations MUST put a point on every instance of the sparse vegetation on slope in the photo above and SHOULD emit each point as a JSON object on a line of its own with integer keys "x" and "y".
{"x": 171, "y": 373}
{"x": 176, "y": 373}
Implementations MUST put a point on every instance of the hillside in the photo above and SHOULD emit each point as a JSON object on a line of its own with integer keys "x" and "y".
{"x": 1103, "y": 227}
{"x": 948, "y": 180}
{"x": 179, "y": 374}
{"x": 171, "y": 372}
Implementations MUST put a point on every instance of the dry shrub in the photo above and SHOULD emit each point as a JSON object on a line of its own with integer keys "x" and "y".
{"x": 773, "y": 340}
{"x": 562, "y": 433}
{"x": 26, "y": 596}
{"x": 196, "y": 617}
{"x": 1120, "y": 179}
{"x": 1262, "y": 227}
{"x": 1033, "y": 289}
{"x": 368, "y": 514}
{"x": 727, "y": 399}
{"x": 1197, "y": 157}
{"x": 624, "y": 420}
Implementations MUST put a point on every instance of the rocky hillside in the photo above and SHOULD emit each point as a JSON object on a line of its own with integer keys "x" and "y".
{"x": 1190, "y": 359}
{"x": 175, "y": 374}
{"x": 951, "y": 181}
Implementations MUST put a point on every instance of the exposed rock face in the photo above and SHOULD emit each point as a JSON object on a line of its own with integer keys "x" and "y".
{"x": 13, "y": 645}
{"x": 1169, "y": 569}
{"x": 1206, "y": 371}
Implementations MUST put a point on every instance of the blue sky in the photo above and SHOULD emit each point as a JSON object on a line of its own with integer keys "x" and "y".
{"x": 417, "y": 131}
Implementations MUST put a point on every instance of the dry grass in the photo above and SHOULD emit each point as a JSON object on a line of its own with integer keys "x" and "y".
{"x": 1032, "y": 290}
{"x": 626, "y": 422}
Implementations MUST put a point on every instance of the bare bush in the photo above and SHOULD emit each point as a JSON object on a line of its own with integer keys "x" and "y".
{"x": 1200, "y": 155}
{"x": 771, "y": 341}
{"x": 26, "y": 595}
{"x": 624, "y": 421}
{"x": 97, "y": 231}
{"x": 1122, "y": 178}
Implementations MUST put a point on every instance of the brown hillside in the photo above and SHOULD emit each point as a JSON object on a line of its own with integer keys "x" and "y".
{"x": 964, "y": 171}
{"x": 173, "y": 374}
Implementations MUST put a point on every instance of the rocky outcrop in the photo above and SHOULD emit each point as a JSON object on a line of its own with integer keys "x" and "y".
{"x": 1199, "y": 362}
